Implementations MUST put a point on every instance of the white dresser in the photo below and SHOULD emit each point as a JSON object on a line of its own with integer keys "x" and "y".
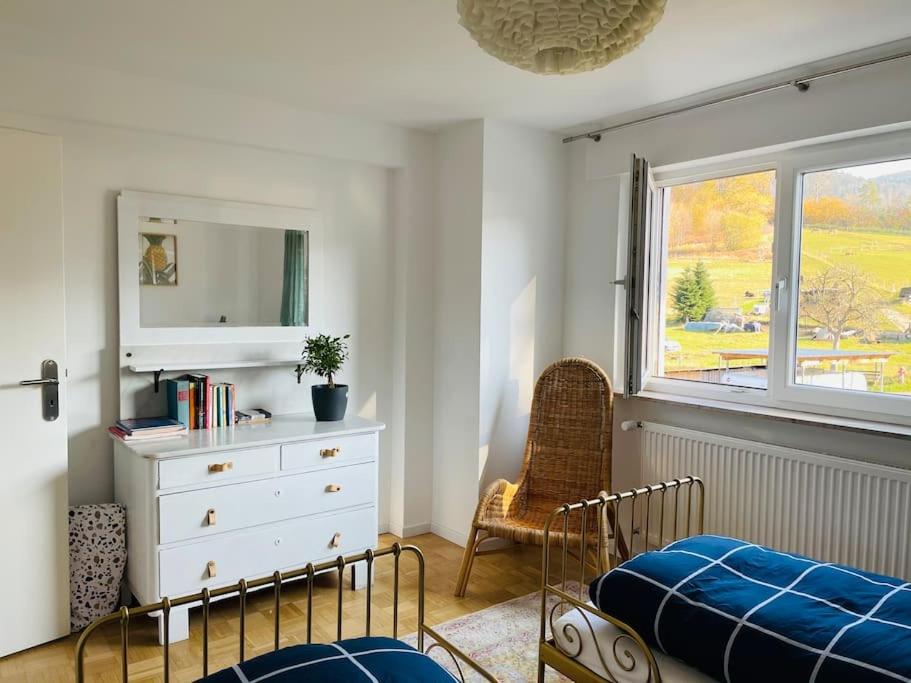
{"x": 219, "y": 505}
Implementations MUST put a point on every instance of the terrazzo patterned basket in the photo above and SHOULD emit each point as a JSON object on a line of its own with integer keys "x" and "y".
{"x": 98, "y": 555}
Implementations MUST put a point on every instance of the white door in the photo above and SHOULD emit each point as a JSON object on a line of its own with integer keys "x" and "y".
{"x": 34, "y": 577}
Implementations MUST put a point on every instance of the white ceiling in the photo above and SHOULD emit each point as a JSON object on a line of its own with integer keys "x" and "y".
{"x": 409, "y": 62}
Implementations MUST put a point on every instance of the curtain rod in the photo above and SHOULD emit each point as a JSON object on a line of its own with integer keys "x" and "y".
{"x": 802, "y": 84}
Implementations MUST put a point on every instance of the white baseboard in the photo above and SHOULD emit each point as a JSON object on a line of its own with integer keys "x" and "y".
{"x": 451, "y": 535}
{"x": 410, "y": 530}
{"x": 416, "y": 530}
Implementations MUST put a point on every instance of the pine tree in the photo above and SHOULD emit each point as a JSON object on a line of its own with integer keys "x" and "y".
{"x": 693, "y": 293}
{"x": 704, "y": 287}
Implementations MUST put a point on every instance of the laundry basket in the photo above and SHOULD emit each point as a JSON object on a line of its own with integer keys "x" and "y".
{"x": 98, "y": 555}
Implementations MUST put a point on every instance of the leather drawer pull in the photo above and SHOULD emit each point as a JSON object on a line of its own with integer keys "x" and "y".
{"x": 210, "y": 567}
{"x": 210, "y": 517}
{"x": 333, "y": 488}
{"x": 336, "y": 540}
{"x": 330, "y": 452}
{"x": 216, "y": 467}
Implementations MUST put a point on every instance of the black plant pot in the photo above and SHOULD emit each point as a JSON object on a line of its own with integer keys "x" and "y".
{"x": 329, "y": 403}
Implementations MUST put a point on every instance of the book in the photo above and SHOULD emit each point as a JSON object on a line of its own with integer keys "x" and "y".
{"x": 203, "y": 408}
{"x": 193, "y": 414}
{"x": 199, "y": 401}
{"x": 145, "y": 436}
{"x": 252, "y": 416}
{"x": 218, "y": 400}
{"x": 149, "y": 425}
{"x": 179, "y": 400}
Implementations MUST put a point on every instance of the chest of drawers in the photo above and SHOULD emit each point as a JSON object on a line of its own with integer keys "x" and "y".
{"x": 216, "y": 506}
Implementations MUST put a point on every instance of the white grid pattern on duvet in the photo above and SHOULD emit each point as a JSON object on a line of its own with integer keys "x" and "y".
{"x": 345, "y": 654}
{"x": 742, "y": 621}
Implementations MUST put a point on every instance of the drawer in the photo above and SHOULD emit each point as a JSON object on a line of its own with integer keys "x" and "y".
{"x": 251, "y": 554}
{"x": 238, "y": 506}
{"x": 213, "y": 468}
{"x": 329, "y": 452}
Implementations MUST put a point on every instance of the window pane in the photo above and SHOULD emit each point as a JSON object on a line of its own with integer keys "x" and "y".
{"x": 718, "y": 278}
{"x": 854, "y": 325}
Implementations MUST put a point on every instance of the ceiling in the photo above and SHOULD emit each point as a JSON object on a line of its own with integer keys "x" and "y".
{"x": 408, "y": 62}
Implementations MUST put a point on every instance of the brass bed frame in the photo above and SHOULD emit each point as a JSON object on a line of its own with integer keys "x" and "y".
{"x": 652, "y": 523}
{"x": 308, "y": 573}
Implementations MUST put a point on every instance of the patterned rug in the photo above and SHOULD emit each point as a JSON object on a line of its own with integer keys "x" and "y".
{"x": 503, "y": 639}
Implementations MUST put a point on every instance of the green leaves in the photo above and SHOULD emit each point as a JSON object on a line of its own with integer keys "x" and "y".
{"x": 324, "y": 355}
{"x": 693, "y": 293}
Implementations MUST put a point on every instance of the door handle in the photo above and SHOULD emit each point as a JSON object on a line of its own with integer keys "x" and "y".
{"x": 49, "y": 383}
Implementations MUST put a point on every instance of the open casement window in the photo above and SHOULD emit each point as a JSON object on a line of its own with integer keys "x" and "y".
{"x": 643, "y": 267}
{"x": 781, "y": 281}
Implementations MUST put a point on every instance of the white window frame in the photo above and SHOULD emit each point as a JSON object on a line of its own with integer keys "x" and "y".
{"x": 704, "y": 390}
{"x": 789, "y": 394}
{"x": 782, "y": 391}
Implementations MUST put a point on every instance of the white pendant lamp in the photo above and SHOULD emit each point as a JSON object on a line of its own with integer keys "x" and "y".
{"x": 559, "y": 36}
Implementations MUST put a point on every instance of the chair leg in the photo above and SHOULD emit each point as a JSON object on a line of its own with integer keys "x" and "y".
{"x": 467, "y": 560}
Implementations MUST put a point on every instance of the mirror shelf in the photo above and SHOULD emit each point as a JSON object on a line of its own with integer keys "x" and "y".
{"x": 212, "y": 365}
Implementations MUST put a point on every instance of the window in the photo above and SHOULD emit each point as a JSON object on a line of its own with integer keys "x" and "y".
{"x": 717, "y": 280}
{"x": 785, "y": 282}
{"x": 853, "y": 328}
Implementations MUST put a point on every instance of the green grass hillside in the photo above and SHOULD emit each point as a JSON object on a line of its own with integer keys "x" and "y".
{"x": 885, "y": 256}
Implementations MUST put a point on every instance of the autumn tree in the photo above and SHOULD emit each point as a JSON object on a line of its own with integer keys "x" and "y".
{"x": 742, "y": 230}
{"x": 828, "y": 212}
{"x": 734, "y": 213}
{"x": 839, "y": 298}
{"x": 693, "y": 293}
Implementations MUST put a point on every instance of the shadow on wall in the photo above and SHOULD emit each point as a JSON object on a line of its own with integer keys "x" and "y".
{"x": 512, "y": 363}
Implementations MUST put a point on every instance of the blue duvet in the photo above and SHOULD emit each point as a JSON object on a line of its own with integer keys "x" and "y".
{"x": 740, "y": 612}
{"x": 370, "y": 660}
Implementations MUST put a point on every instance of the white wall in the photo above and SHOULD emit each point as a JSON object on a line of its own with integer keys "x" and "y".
{"x": 874, "y": 98}
{"x": 499, "y": 298}
{"x": 139, "y": 133}
{"x": 413, "y": 193}
{"x": 457, "y": 324}
{"x": 521, "y": 285}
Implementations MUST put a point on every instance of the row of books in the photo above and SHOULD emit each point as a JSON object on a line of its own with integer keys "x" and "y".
{"x": 196, "y": 402}
{"x": 143, "y": 428}
{"x": 200, "y": 404}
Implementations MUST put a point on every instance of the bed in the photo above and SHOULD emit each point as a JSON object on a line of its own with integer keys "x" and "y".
{"x": 368, "y": 658}
{"x": 695, "y": 607}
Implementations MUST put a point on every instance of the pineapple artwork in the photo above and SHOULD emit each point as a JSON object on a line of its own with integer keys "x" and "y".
{"x": 158, "y": 259}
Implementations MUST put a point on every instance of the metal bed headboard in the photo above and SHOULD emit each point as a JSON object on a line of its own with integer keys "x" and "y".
{"x": 242, "y": 587}
{"x": 569, "y": 550}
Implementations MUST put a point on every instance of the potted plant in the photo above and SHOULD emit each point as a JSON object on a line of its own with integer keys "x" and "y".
{"x": 324, "y": 356}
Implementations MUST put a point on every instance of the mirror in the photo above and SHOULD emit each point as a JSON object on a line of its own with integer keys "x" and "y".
{"x": 200, "y": 274}
{"x": 211, "y": 271}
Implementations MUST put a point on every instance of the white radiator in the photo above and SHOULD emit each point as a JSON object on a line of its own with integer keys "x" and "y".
{"x": 832, "y": 509}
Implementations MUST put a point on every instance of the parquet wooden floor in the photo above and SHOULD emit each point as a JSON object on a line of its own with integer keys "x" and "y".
{"x": 496, "y": 577}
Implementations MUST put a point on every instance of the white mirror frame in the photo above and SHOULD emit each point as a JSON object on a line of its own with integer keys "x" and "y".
{"x": 132, "y": 205}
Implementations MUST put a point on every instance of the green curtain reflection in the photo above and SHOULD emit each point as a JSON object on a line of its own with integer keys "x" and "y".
{"x": 294, "y": 282}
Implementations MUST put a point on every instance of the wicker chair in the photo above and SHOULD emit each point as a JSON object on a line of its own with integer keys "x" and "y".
{"x": 567, "y": 459}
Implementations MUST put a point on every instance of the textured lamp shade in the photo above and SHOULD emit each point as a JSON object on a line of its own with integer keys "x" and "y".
{"x": 559, "y": 36}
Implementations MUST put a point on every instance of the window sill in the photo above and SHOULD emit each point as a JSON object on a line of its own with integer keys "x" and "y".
{"x": 793, "y": 416}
